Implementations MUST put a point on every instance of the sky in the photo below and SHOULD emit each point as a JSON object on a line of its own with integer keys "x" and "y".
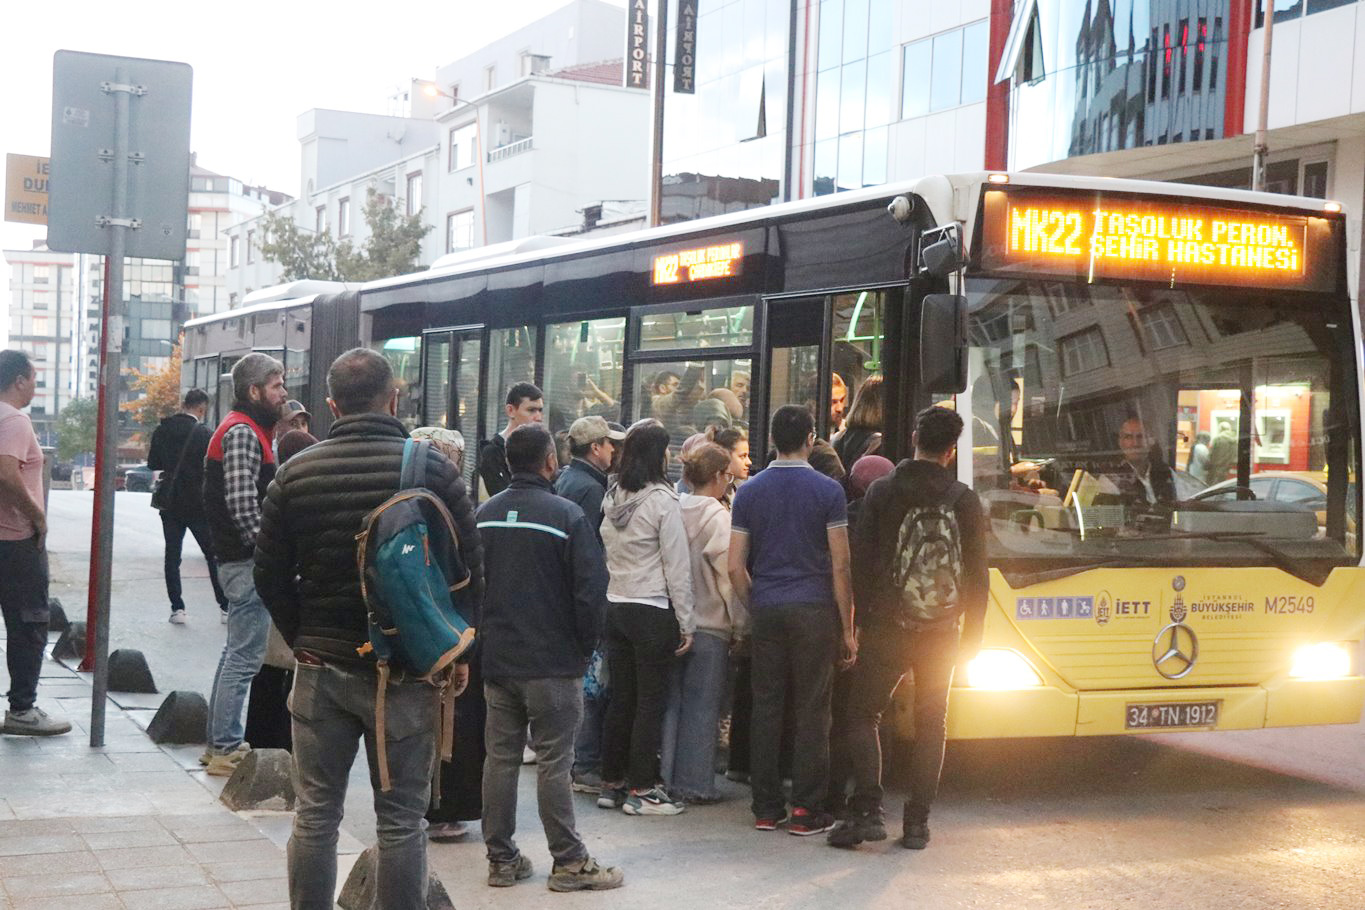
{"x": 258, "y": 64}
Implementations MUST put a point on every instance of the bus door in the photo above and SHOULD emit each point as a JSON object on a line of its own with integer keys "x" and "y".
{"x": 822, "y": 350}
{"x": 452, "y": 363}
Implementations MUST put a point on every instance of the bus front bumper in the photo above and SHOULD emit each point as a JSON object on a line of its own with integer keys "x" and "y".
{"x": 1047, "y": 711}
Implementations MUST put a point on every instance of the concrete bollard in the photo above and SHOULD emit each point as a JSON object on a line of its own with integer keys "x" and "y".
{"x": 128, "y": 672}
{"x": 263, "y": 780}
{"x": 56, "y": 616}
{"x": 359, "y": 891}
{"x": 71, "y": 645}
{"x": 182, "y": 718}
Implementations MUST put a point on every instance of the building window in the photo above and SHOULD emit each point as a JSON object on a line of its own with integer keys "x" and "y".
{"x": 1315, "y": 179}
{"x": 534, "y": 63}
{"x": 915, "y": 79}
{"x": 344, "y": 217}
{"x": 463, "y": 146}
{"x": 250, "y": 247}
{"x": 1201, "y": 40}
{"x": 490, "y": 77}
{"x": 320, "y": 219}
{"x": 1083, "y": 351}
{"x": 196, "y": 225}
{"x": 1184, "y": 55}
{"x": 1167, "y": 53}
{"x": 153, "y": 329}
{"x": 414, "y": 193}
{"x": 455, "y": 93}
{"x": 191, "y": 262}
{"x": 42, "y": 274}
{"x": 945, "y": 71}
{"x": 460, "y": 231}
{"x": 1161, "y": 328}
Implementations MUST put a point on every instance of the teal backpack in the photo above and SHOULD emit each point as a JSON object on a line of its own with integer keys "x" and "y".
{"x": 407, "y": 553}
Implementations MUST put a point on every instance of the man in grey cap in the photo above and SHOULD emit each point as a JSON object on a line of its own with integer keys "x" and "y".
{"x": 296, "y": 417}
{"x": 593, "y": 444}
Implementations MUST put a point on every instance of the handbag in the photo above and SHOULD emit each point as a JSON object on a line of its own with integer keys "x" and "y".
{"x": 162, "y": 494}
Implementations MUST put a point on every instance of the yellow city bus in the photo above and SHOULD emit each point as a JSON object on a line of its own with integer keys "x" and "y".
{"x": 1160, "y": 385}
{"x": 1164, "y": 393}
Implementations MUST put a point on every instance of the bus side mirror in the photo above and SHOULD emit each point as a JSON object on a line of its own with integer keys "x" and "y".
{"x": 943, "y": 344}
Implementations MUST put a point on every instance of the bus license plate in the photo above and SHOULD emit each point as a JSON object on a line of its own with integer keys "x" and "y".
{"x": 1171, "y": 714}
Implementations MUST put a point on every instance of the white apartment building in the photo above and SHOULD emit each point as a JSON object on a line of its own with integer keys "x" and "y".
{"x": 532, "y": 134}
{"x": 46, "y": 320}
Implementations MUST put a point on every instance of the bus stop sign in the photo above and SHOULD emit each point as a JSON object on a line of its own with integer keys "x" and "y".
{"x": 85, "y": 88}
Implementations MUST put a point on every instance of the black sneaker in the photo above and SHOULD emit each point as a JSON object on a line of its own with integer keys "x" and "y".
{"x": 805, "y": 822}
{"x": 856, "y": 829}
{"x": 916, "y": 836}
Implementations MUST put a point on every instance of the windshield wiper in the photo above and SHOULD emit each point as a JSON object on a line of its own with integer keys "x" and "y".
{"x": 1280, "y": 559}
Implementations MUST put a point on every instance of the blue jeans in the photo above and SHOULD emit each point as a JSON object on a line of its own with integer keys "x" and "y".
{"x": 248, "y": 625}
{"x": 587, "y": 747}
{"x": 696, "y": 696}
{"x": 333, "y": 709}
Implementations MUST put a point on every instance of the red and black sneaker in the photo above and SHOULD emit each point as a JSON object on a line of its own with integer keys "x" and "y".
{"x": 805, "y": 822}
{"x": 768, "y": 822}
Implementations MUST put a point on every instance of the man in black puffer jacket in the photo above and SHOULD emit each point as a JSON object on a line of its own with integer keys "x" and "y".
{"x": 306, "y": 574}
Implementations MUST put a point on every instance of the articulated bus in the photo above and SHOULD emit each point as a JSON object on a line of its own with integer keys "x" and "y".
{"x": 1160, "y": 384}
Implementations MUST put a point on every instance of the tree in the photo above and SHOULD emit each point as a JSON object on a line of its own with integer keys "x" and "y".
{"x": 77, "y": 424}
{"x": 160, "y": 392}
{"x": 393, "y": 247}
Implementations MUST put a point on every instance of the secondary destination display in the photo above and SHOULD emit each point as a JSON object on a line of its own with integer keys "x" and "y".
{"x": 1097, "y": 236}
{"x": 716, "y": 261}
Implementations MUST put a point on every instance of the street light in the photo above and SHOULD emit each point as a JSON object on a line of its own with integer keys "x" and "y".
{"x": 432, "y": 90}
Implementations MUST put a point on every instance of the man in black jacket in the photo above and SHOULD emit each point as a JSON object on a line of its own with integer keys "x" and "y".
{"x": 178, "y": 447}
{"x": 895, "y": 645}
{"x": 306, "y": 574}
{"x": 525, "y": 404}
{"x": 542, "y": 619}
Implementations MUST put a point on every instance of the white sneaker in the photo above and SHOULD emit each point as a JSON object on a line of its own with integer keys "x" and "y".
{"x": 178, "y": 617}
{"x": 222, "y": 616}
{"x": 34, "y": 722}
{"x": 528, "y": 756}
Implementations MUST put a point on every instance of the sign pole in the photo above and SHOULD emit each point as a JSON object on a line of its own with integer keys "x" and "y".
{"x": 96, "y": 520}
{"x": 656, "y": 158}
{"x": 117, "y": 224}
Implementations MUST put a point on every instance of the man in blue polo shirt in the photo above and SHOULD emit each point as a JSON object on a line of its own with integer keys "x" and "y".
{"x": 789, "y": 562}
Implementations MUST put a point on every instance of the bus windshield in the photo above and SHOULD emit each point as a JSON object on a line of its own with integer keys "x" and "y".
{"x": 1140, "y": 425}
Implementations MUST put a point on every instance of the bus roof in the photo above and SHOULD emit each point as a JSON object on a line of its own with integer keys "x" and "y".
{"x": 949, "y": 197}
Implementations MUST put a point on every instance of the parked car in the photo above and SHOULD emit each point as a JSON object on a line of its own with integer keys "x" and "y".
{"x": 134, "y": 479}
{"x": 1306, "y": 488}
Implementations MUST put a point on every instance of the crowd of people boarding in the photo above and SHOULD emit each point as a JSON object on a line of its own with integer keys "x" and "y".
{"x": 627, "y": 622}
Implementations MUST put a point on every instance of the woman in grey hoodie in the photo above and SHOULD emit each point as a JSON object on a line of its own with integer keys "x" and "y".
{"x": 697, "y": 690}
{"x": 649, "y": 619}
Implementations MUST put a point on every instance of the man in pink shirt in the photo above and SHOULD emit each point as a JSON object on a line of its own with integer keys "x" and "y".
{"x": 23, "y": 554}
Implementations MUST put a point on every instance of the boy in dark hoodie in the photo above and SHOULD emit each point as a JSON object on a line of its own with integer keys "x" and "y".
{"x": 895, "y": 645}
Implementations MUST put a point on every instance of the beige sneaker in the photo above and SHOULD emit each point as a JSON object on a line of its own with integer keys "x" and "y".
{"x": 505, "y": 875}
{"x": 223, "y": 765}
{"x": 586, "y": 876}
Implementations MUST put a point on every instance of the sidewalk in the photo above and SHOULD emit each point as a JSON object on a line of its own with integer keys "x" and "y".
{"x": 128, "y": 825}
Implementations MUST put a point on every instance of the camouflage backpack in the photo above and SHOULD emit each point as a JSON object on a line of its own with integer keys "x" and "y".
{"x": 927, "y": 566}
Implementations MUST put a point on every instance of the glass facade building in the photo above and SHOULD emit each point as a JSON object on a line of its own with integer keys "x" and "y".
{"x": 1105, "y": 75}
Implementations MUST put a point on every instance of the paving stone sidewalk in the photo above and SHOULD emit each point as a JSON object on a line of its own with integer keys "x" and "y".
{"x": 129, "y": 824}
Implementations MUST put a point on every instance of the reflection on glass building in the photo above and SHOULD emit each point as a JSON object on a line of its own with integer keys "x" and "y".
{"x": 1105, "y": 75}
{"x": 724, "y": 145}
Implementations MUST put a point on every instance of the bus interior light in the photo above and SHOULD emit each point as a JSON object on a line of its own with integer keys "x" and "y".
{"x": 1000, "y": 668}
{"x": 1333, "y": 207}
{"x": 998, "y": 178}
{"x": 1324, "y": 660}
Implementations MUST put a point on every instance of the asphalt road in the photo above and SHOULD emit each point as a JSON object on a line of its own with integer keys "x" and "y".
{"x": 1246, "y": 820}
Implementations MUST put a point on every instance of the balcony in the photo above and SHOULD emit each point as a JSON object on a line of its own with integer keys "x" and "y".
{"x": 510, "y": 150}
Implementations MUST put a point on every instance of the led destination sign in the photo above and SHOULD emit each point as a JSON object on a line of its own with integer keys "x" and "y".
{"x": 703, "y": 263}
{"x": 1098, "y": 237}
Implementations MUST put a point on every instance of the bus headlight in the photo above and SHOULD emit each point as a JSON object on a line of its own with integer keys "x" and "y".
{"x": 998, "y": 668}
{"x": 1324, "y": 660}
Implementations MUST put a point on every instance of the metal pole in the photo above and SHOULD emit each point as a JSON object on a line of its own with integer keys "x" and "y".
{"x": 656, "y": 158}
{"x": 92, "y": 610}
{"x": 113, "y": 355}
{"x": 1262, "y": 146}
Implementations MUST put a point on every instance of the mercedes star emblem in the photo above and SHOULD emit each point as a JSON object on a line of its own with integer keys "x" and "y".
{"x": 1175, "y": 650}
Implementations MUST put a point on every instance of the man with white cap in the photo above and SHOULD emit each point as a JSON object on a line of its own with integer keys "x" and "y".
{"x": 591, "y": 443}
